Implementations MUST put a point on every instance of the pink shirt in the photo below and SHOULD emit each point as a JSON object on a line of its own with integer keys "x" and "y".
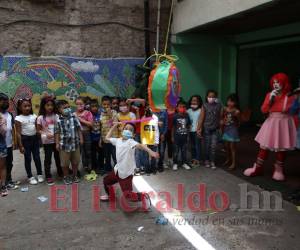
{"x": 47, "y": 123}
{"x": 87, "y": 116}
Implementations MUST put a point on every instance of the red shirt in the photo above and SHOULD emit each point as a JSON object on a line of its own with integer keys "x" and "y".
{"x": 282, "y": 103}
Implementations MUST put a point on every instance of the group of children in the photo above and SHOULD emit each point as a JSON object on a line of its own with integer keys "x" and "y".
{"x": 82, "y": 135}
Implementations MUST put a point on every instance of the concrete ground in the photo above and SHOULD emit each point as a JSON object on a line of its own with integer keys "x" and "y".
{"x": 27, "y": 223}
{"x": 247, "y": 151}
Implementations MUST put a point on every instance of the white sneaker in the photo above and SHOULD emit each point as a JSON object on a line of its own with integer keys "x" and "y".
{"x": 166, "y": 166}
{"x": 40, "y": 178}
{"x": 213, "y": 165}
{"x": 104, "y": 197}
{"x": 175, "y": 167}
{"x": 32, "y": 181}
{"x": 186, "y": 166}
{"x": 206, "y": 164}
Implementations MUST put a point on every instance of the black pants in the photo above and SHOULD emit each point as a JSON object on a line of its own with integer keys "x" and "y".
{"x": 85, "y": 149}
{"x": 169, "y": 143}
{"x": 32, "y": 147}
{"x": 109, "y": 151}
{"x": 9, "y": 164}
{"x": 97, "y": 157}
{"x": 50, "y": 149}
{"x": 149, "y": 162}
{"x": 180, "y": 148}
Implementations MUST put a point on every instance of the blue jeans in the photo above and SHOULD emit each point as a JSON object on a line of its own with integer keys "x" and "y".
{"x": 196, "y": 146}
{"x": 138, "y": 153}
{"x": 162, "y": 149}
{"x": 149, "y": 164}
{"x": 210, "y": 144}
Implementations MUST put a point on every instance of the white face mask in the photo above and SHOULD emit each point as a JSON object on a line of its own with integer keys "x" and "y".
{"x": 123, "y": 109}
{"x": 194, "y": 106}
{"x": 211, "y": 100}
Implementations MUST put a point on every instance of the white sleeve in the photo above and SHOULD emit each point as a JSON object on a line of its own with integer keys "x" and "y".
{"x": 113, "y": 141}
{"x": 132, "y": 116}
{"x": 133, "y": 143}
{"x": 18, "y": 118}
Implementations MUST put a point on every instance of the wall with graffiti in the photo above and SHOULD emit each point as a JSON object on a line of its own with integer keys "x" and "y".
{"x": 66, "y": 77}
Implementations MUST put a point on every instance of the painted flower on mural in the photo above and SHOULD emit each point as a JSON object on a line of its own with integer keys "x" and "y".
{"x": 84, "y": 66}
{"x": 72, "y": 94}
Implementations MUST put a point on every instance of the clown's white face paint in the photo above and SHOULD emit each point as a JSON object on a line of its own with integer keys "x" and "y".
{"x": 277, "y": 86}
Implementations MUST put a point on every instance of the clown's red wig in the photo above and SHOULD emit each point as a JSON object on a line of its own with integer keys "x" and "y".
{"x": 284, "y": 80}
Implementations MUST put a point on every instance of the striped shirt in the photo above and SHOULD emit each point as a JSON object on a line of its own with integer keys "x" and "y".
{"x": 68, "y": 130}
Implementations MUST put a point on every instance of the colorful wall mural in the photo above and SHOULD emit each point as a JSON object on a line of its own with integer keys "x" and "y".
{"x": 66, "y": 77}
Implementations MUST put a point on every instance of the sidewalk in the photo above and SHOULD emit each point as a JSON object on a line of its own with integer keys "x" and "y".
{"x": 27, "y": 223}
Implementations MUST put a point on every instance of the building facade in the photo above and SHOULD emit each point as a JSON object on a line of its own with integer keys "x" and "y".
{"x": 76, "y": 47}
{"x": 236, "y": 46}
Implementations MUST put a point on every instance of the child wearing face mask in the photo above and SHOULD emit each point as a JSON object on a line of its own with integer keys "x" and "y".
{"x": 124, "y": 114}
{"x": 150, "y": 137}
{"x": 230, "y": 125}
{"x": 194, "y": 112}
{"x": 124, "y": 169}
{"x": 181, "y": 126}
{"x": 209, "y": 125}
{"x": 68, "y": 138}
{"x": 9, "y": 138}
{"x": 85, "y": 118}
{"x": 107, "y": 118}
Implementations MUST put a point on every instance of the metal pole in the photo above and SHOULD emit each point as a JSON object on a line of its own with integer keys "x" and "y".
{"x": 158, "y": 25}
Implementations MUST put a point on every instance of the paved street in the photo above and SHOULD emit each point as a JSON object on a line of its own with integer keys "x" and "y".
{"x": 27, "y": 223}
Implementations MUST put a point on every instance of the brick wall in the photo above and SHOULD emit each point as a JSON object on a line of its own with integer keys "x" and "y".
{"x": 59, "y": 27}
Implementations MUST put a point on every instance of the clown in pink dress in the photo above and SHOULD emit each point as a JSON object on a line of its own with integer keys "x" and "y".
{"x": 278, "y": 133}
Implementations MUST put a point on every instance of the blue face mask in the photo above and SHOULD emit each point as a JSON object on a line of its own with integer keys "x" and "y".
{"x": 127, "y": 134}
{"x": 67, "y": 111}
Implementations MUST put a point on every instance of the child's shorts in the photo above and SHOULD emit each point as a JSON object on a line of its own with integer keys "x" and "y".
{"x": 72, "y": 157}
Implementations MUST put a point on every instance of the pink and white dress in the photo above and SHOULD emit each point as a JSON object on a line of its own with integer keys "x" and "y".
{"x": 278, "y": 132}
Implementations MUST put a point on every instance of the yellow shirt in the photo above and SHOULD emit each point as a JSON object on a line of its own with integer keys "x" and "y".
{"x": 150, "y": 132}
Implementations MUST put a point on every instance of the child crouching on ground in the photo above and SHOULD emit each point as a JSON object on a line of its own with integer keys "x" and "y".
{"x": 124, "y": 169}
{"x": 68, "y": 138}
